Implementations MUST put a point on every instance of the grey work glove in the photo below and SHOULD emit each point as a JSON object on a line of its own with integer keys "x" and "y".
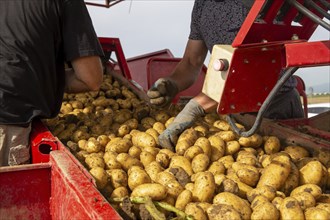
{"x": 162, "y": 92}
{"x": 183, "y": 120}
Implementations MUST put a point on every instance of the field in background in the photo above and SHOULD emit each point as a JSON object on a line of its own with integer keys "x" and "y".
{"x": 318, "y": 99}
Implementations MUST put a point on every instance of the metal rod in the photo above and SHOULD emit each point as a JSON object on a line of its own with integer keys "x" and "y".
{"x": 325, "y": 3}
{"x": 309, "y": 14}
{"x": 318, "y": 9}
{"x": 288, "y": 72}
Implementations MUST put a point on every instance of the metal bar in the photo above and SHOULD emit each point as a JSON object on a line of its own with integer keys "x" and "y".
{"x": 309, "y": 14}
{"x": 325, "y": 3}
{"x": 318, "y": 9}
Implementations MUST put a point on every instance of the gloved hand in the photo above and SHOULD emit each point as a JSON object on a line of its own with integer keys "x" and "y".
{"x": 162, "y": 92}
{"x": 183, "y": 120}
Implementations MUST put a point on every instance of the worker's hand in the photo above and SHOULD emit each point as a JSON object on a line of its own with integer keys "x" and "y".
{"x": 182, "y": 121}
{"x": 162, "y": 92}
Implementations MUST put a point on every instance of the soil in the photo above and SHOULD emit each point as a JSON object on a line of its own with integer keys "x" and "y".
{"x": 181, "y": 175}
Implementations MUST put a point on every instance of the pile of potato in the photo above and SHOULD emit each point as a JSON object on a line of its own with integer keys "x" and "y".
{"x": 213, "y": 173}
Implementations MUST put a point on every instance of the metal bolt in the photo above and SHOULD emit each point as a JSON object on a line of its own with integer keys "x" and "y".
{"x": 246, "y": 61}
{"x": 220, "y": 64}
{"x": 232, "y": 106}
{"x": 259, "y": 103}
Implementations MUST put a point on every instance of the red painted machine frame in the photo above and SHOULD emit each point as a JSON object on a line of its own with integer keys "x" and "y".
{"x": 263, "y": 47}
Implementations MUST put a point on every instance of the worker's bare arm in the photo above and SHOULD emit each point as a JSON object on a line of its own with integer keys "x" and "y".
{"x": 87, "y": 75}
{"x": 186, "y": 72}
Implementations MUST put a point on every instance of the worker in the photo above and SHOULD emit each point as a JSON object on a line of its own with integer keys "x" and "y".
{"x": 212, "y": 22}
{"x": 37, "y": 38}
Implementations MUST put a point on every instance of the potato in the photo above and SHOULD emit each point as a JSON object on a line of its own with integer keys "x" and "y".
{"x": 205, "y": 144}
{"x": 119, "y": 192}
{"x": 146, "y": 158}
{"x": 147, "y": 122}
{"x": 180, "y": 161}
{"x": 247, "y": 157}
{"x": 100, "y": 176}
{"x": 266, "y": 191}
{"x": 227, "y": 161}
{"x": 258, "y": 200}
{"x": 118, "y": 177}
{"x": 127, "y": 93}
{"x": 226, "y": 135}
{"x": 296, "y": 152}
{"x": 173, "y": 188}
{"x": 189, "y": 135}
{"x": 290, "y": 209}
{"x": 324, "y": 198}
{"x": 222, "y": 125}
{"x": 181, "y": 147}
{"x": 153, "y": 169}
{"x": 159, "y": 127}
{"x": 93, "y": 146}
{"x": 292, "y": 181}
{"x": 265, "y": 210}
{"x": 324, "y": 206}
{"x": 228, "y": 185}
{"x": 277, "y": 202}
{"x": 110, "y": 159}
{"x": 272, "y": 144}
{"x": 126, "y": 161}
{"x": 163, "y": 159}
{"x": 313, "y": 172}
{"x": 123, "y": 130}
{"x": 210, "y": 118}
{"x": 137, "y": 176}
{"x": 276, "y": 173}
{"x": 124, "y": 103}
{"x": 202, "y": 129}
{"x": 240, "y": 205}
{"x": 322, "y": 155}
{"x": 200, "y": 163}
{"x": 118, "y": 145}
{"x": 305, "y": 200}
{"x": 217, "y": 168}
{"x": 313, "y": 213}
{"x": 220, "y": 211}
{"x": 135, "y": 152}
{"x": 218, "y": 147}
{"x": 122, "y": 116}
{"x": 246, "y": 173}
{"x": 169, "y": 121}
{"x": 103, "y": 140}
{"x": 154, "y": 134}
{"x": 232, "y": 147}
{"x": 155, "y": 191}
{"x": 142, "y": 139}
{"x": 94, "y": 161}
{"x": 253, "y": 141}
{"x": 164, "y": 177}
{"x": 183, "y": 199}
{"x": 315, "y": 190}
{"x": 204, "y": 187}
{"x": 195, "y": 211}
{"x": 162, "y": 116}
{"x": 189, "y": 186}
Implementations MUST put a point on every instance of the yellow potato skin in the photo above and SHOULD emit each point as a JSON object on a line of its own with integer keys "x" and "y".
{"x": 154, "y": 190}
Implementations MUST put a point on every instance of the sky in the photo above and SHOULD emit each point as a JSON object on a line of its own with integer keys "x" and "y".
{"x": 145, "y": 26}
